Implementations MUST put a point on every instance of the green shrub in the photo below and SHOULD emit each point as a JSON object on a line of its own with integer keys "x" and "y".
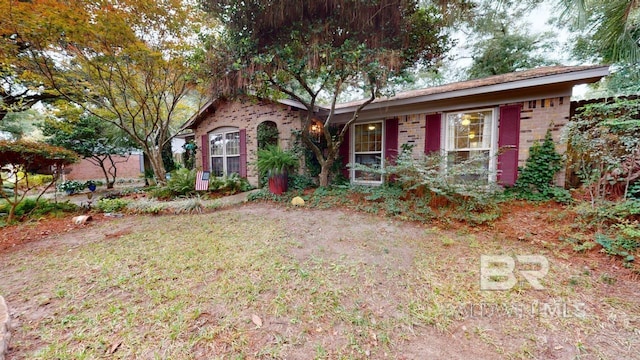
{"x": 71, "y": 186}
{"x": 40, "y": 208}
{"x": 145, "y": 207}
{"x": 160, "y": 193}
{"x": 182, "y": 182}
{"x": 229, "y": 184}
{"x": 300, "y": 182}
{"x": 111, "y": 205}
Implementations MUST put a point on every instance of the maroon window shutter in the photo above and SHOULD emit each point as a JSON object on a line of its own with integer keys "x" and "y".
{"x": 205, "y": 152}
{"x": 243, "y": 153}
{"x": 432, "y": 133}
{"x": 391, "y": 141}
{"x": 343, "y": 151}
{"x": 508, "y": 142}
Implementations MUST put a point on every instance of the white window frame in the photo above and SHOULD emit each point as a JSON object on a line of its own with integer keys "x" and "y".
{"x": 222, "y": 131}
{"x": 352, "y": 152}
{"x": 493, "y": 143}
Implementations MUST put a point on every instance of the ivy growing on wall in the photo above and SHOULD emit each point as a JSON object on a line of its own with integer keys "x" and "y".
{"x": 536, "y": 180}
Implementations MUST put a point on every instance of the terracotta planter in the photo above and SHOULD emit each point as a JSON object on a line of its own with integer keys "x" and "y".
{"x": 278, "y": 183}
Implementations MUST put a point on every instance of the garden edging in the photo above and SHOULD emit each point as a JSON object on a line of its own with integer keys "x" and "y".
{"x": 4, "y": 327}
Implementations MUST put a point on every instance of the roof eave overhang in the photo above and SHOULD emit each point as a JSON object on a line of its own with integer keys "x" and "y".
{"x": 573, "y": 78}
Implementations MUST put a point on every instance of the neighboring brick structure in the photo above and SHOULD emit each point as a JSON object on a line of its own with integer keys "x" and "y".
{"x": 247, "y": 113}
{"x": 128, "y": 168}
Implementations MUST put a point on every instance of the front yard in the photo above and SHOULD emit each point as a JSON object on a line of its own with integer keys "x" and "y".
{"x": 267, "y": 281}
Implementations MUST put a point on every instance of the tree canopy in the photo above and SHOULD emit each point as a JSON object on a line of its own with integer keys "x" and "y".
{"x": 610, "y": 29}
{"x": 125, "y": 62}
{"x": 302, "y": 50}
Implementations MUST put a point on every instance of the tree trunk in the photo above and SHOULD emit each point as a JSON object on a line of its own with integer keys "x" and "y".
{"x": 325, "y": 169}
{"x": 155, "y": 158}
{"x": 104, "y": 172}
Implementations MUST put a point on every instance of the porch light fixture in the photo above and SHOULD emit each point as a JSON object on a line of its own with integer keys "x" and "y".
{"x": 315, "y": 128}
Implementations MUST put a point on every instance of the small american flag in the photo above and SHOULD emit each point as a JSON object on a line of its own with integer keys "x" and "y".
{"x": 202, "y": 181}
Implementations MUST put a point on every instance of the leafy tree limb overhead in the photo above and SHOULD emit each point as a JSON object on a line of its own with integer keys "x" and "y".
{"x": 124, "y": 62}
{"x": 304, "y": 50}
{"x": 611, "y": 29}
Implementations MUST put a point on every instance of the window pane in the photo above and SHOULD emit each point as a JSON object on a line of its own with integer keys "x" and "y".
{"x": 369, "y": 160}
{"x": 233, "y": 143}
{"x": 368, "y": 137}
{"x": 476, "y": 164}
{"x": 217, "y": 143}
{"x": 216, "y": 166}
{"x": 233, "y": 165}
{"x": 469, "y": 130}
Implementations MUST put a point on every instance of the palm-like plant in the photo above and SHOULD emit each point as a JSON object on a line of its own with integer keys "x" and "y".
{"x": 614, "y": 26}
{"x": 274, "y": 161}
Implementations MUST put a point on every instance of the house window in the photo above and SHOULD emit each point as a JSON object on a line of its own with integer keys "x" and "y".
{"x": 469, "y": 135}
{"x": 225, "y": 151}
{"x": 367, "y": 150}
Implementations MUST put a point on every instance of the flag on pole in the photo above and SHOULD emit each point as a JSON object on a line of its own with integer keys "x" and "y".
{"x": 202, "y": 181}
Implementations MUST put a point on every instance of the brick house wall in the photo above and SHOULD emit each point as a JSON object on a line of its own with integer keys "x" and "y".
{"x": 128, "y": 168}
{"x": 536, "y": 117}
{"x": 247, "y": 113}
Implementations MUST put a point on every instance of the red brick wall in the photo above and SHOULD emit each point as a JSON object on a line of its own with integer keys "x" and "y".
{"x": 85, "y": 170}
{"x": 246, "y": 113}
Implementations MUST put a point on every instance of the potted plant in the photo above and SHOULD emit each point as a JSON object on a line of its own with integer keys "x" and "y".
{"x": 276, "y": 164}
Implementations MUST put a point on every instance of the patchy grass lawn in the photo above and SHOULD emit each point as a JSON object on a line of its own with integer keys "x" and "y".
{"x": 262, "y": 281}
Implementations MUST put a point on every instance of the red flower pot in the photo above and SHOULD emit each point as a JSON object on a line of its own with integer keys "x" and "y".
{"x": 278, "y": 183}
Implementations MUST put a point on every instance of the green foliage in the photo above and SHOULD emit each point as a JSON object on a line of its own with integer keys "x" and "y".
{"x": 315, "y": 51}
{"x": 18, "y": 159}
{"x": 300, "y": 182}
{"x": 182, "y": 182}
{"x": 536, "y": 180}
{"x": 112, "y": 205}
{"x": 607, "y": 31}
{"x": 605, "y": 147}
{"x": 190, "y": 206}
{"x": 40, "y": 208}
{"x": 33, "y": 155}
{"x": 229, "y": 184}
{"x": 145, "y": 207}
{"x": 161, "y": 193}
{"x": 272, "y": 160}
{"x": 71, "y": 186}
{"x": 267, "y": 135}
{"x": 608, "y": 213}
{"x": 620, "y": 245}
{"x": 506, "y": 52}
